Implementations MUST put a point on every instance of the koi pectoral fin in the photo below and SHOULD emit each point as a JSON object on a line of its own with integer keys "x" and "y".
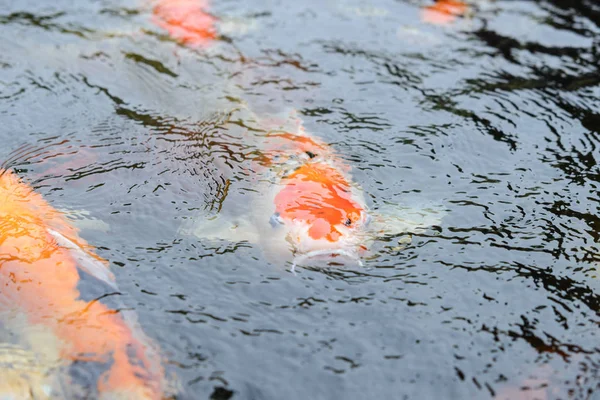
{"x": 220, "y": 228}
{"x": 84, "y": 260}
{"x": 83, "y": 220}
{"x": 395, "y": 220}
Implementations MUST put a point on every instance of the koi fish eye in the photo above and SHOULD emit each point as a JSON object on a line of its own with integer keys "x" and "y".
{"x": 353, "y": 219}
{"x": 310, "y": 154}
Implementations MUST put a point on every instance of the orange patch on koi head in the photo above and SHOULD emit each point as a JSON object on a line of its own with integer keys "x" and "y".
{"x": 444, "y": 11}
{"x": 186, "y": 21}
{"x": 319, "y": 196}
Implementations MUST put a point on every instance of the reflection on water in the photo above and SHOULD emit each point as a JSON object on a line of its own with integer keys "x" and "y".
{"x": 492, "y": 115}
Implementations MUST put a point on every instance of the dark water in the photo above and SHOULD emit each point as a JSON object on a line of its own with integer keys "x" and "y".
{"x": 495, "y": 117}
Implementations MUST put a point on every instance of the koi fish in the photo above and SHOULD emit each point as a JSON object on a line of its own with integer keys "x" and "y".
{"x": 306, "y": 204}
{"x": 41, "y": 258}
{"x": 315, "y": 209}
{"x": 444, "y": 12}
{"x": 314, "y": 200}
{"x": 186, "y": 21}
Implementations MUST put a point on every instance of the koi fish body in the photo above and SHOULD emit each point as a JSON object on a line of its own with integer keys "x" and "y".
{"x": 191, "y": 24}
{"x": 41, "y": 257}
{"x": 306, "y": 205}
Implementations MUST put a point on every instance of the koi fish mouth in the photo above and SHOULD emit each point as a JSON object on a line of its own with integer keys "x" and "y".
{"x": 313, "y": 238}
{"x": 328, "y": 253}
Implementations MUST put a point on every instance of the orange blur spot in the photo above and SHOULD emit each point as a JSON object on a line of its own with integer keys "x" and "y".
{"x": 186, "y": 21}
{"x": 444, "y": 12}
{"x": 319, "y": 195}
{"x": 39, "y": 277}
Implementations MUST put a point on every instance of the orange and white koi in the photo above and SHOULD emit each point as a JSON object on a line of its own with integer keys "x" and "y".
{"x": 41, "y": 257}
{"x": 444, "y": 12}
{"x": 186, "y": 21}
{"x": 305, "y": 203}
{"x": 313, "y": 198}
{"x": 322, "y": 211}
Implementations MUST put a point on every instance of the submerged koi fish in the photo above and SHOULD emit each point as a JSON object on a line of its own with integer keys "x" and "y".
{"x": 306, "y": 204}
{"x": 186, "y": 21}
{"x": 444, "y": 12}
{"x": 314, "y": 208}
{"x": 41, "y": 257}
{"x": 314, "y": 199}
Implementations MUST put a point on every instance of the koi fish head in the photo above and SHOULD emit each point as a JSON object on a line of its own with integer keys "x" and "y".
{"x": 320, "y": 210}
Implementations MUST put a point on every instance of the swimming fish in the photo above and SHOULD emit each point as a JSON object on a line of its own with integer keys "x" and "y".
{"x": 186, "y": 21}
{"x": 314, "y": 201}
{"x": 306, "y": 204}
{"x": 314, "y": 208}
{"x": 41, "y": 259}
{"x": 444, "y": 12}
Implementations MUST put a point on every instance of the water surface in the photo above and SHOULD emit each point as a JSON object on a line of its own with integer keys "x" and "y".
{"x": 494, "y": 116}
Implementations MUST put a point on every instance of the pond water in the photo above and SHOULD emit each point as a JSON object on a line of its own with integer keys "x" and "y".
{"x": 493, "y": 116}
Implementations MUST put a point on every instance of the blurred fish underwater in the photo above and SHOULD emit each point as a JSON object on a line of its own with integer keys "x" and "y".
{"x": 444, "y": 12}
{"x": 186, "y": 21}
{"x": 41, "y": 262}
